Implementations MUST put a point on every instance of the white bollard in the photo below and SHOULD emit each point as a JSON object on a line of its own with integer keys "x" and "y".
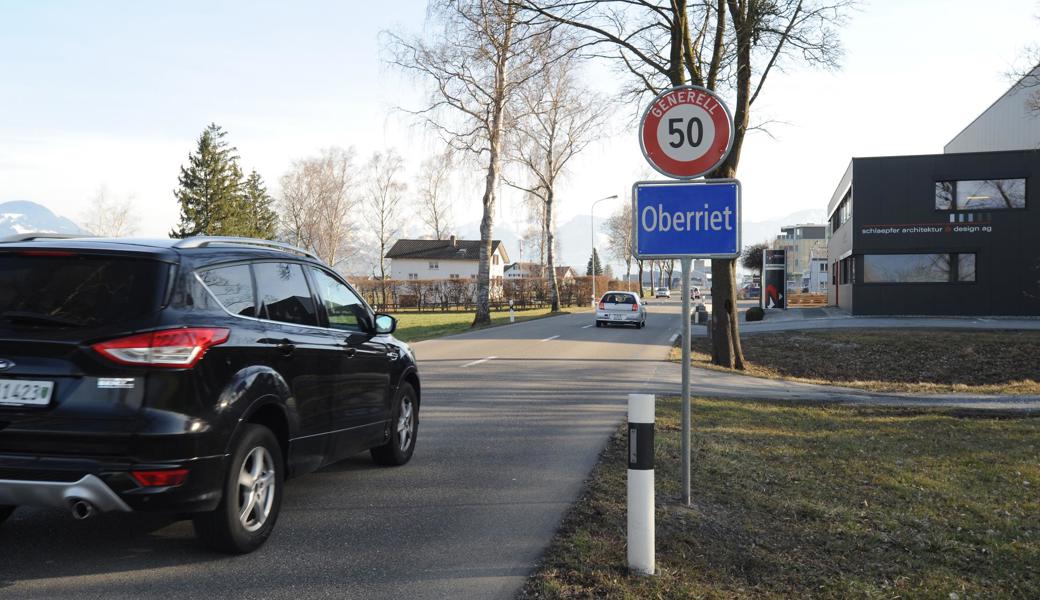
{"x": 641, "y": 484}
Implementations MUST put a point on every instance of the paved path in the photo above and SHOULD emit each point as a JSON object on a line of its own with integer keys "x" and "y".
{"x": 721, "y": 384}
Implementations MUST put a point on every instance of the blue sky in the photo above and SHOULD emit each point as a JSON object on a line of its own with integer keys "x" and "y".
{"x": 116, "y": 93}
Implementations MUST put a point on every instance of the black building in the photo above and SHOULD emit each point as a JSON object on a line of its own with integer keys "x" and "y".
{"x": 944, "y": 234}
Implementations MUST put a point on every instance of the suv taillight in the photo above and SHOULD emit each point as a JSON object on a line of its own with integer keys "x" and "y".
{"x": 180, "y": 348}
{"x": 635, "y": 307}
{"x": 601, "y": 306}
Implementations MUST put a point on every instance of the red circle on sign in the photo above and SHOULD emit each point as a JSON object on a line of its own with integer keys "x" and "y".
{"x": 686, "y": 132}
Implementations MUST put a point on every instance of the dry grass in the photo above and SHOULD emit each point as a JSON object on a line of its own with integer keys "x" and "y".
{"x": 896, "y": 360}
{"x": 816, "y": 502}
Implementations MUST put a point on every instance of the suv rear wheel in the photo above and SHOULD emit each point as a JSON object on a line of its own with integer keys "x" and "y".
{"x": 404, "y": 425}
{"x": 243, "y": 520}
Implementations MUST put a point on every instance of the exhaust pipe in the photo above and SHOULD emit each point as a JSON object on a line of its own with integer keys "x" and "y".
{"x": 81, "y": 509}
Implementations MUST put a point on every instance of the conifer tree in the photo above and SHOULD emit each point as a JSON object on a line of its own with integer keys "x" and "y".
{"x": 261, "y": 219}
{"x": 210, "y": 189}
{"x": 594, "y": 267}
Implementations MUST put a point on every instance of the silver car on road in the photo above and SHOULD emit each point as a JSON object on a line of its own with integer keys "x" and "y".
{"x": 620, "y": 307}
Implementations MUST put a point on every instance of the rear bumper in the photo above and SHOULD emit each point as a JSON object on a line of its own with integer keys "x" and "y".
{"x": 51, "y": 481}
{"x": 61, "y": 494}
{"x": 618, "y": 318}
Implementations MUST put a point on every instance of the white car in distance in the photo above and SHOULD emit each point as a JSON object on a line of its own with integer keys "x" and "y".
{"x": 663, "y": 292}
{"x": 622, "y": 308}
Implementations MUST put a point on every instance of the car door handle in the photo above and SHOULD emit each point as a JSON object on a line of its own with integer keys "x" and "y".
{"x": 349, "y": 351}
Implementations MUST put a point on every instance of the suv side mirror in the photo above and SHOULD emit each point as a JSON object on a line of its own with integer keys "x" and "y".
{"x": 385, "y": 324}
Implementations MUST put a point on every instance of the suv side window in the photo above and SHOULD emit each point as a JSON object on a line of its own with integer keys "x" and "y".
{"x": 343, "y": 307}
{"x": 283, "y": 292}
{"x": 232, "y": 287}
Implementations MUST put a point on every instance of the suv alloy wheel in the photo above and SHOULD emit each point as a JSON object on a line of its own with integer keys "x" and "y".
{"x": 404, "y": 426}
{"x": 252, "y": 495}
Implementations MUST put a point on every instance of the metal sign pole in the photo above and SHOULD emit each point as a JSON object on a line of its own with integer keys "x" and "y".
{"x": 686, "y": 339}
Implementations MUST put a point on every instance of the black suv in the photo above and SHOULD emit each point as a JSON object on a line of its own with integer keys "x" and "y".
{"x": 189, "y": 376}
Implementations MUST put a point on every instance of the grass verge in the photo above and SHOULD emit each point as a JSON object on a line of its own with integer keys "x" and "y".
{"x": 816, "y": 502}
{"x": 887, "y": 360}
{"x": 417, "y": 326}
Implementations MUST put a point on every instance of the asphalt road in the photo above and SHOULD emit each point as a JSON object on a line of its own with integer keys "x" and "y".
{"x": 513, "y": 419}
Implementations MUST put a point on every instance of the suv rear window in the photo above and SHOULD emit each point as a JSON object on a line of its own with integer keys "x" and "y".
{"x": 82, "y": 290}
{"x": 618, "y": 299}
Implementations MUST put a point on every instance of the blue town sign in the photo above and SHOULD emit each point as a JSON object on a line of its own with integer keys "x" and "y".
{"x": 673, "y": 219}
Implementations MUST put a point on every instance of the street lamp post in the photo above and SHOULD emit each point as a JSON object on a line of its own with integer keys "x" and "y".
{"x": 592, "y": 239}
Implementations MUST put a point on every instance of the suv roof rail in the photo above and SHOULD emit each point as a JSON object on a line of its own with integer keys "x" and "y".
{"x": 41, "y": 235}
{"x": 202, "y": 241}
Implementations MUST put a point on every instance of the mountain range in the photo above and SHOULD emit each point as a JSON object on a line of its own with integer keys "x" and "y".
{"x": 23, "y": 216}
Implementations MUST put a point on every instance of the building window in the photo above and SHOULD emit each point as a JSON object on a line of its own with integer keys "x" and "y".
{"x": 453, "y": 276}
{"x": 918, "y": 268}
{"x": 494, "y": 259}
{"x": 985, "y": 194}
{"x": 843, "y": 213}
{"x": 434, "y": 265}
{"x": 413, "y": 276}
{"x": 965, "y": 267}
{"x": 847, "y": 270}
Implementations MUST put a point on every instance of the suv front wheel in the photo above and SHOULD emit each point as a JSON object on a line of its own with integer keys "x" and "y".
{"x": 404, "y": 425}
{"x": 243, "y": 520}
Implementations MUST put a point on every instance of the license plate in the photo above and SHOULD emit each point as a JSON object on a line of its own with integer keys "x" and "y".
{"x": 22, "y": 392}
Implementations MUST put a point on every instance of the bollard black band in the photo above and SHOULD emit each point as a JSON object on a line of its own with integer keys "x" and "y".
{"x": 641, "y": 446}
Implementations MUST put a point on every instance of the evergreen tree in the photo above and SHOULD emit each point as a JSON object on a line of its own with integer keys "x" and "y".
{"x": 262, "y": 221}
{"x": 210, "y": 189}
{"x": 594, "y": 267}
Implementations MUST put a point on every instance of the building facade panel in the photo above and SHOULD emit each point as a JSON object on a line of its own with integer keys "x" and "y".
{"x": 915, "y": 253}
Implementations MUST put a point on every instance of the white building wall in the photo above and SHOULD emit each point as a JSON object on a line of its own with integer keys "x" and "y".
{"x": 1007, "y": 124}
{"x": 403, "y": 268}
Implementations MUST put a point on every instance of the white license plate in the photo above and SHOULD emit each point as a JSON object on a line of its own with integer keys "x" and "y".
{"x": 23, "y": 392}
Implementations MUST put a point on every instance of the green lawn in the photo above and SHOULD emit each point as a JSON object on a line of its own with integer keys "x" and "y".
{"x": 817, "y": 502}
{"x": 416, "y": 326}
{"x": 896, "y": 360}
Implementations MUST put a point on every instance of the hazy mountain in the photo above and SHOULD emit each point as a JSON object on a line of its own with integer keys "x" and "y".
{"x": 22, "y": 216}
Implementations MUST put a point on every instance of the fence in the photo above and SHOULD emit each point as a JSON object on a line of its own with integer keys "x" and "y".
{"x": 442, "y": 295}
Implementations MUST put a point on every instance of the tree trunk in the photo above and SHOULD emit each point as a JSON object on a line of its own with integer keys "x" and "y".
{"x": 483, "y": 308}
{"x": 639, "y": 264}
{"x": 554, "y": 289}
{"x": 628, "y": 272}
{"x": 725, "y": 319}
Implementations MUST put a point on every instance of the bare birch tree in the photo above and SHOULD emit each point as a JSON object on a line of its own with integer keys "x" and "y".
{"x": 559, "y": 119}
{"x": 731, "y": 46}
{"x": 618, "y": 228}
{"x": 477, "y": 56}
{"x": 107, "y": 216}
{"x": 318, "y": 198}
{"x": 433, "y": 184}
{"x": 384, "y": 206}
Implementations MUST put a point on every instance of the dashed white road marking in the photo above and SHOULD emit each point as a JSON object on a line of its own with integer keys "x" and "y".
{"x": 674, "y": 337}
{"x": 586, "y": 326}
{"x": 477, "y": 362}
{"x": 549, "y": 339}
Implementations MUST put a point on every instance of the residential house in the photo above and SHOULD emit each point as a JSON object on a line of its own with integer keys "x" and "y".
{"x": 444, "y": 259}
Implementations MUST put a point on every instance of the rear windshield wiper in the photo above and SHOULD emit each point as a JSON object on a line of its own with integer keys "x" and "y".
{"x": 35, "y": 318}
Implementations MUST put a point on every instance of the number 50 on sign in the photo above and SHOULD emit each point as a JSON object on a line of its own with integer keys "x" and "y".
{"x": 686, "y": 132}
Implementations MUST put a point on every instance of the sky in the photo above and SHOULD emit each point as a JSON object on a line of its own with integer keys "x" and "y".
{"x": 116, "y": 94}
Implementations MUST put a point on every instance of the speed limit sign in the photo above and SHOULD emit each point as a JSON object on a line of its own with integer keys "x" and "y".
{"x": 686, "y": 132}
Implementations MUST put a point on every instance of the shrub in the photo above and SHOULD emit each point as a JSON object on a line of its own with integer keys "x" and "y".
{"x": 755, "y": 313}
